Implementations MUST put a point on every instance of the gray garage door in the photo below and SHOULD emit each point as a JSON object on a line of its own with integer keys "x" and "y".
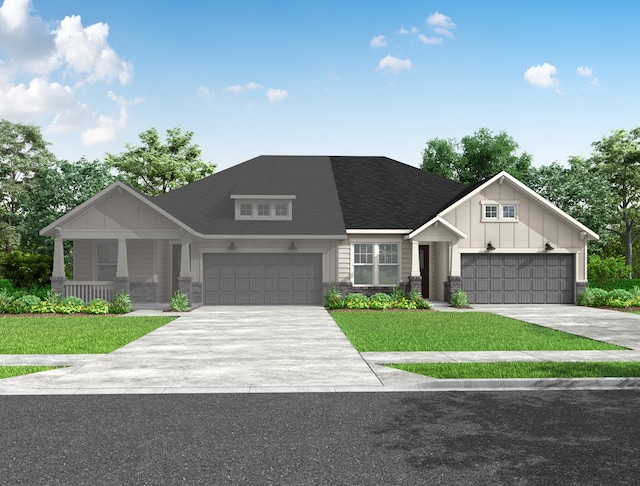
{"x": 518, "y": 279}
{"x": 262, "y": 279}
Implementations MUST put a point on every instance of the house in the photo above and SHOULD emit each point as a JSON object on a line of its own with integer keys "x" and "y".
{"x": 285, "y": 229}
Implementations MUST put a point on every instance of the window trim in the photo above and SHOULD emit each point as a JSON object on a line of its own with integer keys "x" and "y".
{"x": 375, "y": 277}
{"x": 500, "y": 205}
{"x": 272, "y": 203}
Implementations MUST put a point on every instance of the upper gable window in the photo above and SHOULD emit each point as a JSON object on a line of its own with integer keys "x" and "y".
{"x": 260, "y": 208}
{"x": 500, "y": 211}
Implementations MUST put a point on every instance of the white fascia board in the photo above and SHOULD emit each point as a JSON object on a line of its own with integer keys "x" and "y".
{"x": 274, "y": 237}
{"x": 259, "y": 196}
{"x": 378, "y": 231}
{"x": 459, "y": 234}
{"x": 51, "y": 230}
{"x": 506, "y": 177}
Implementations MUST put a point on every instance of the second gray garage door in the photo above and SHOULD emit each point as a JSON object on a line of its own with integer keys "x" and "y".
{"x": 262, "y": 279}
{"x": 518, "y": 279}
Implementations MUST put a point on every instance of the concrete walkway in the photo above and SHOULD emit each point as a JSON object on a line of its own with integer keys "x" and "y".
{"x": 293, "y": 348}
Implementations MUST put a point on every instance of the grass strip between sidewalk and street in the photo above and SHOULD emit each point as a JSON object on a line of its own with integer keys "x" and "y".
{"x": 454, "y": 331}
{"x": 513, "y": 369}
{"x": 11, "y": 371}
{"x": 73, "y": 334}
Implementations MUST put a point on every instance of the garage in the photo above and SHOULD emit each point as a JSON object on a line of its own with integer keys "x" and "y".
{"x": 262, "y": 279}
{"x": 518, "y": 279}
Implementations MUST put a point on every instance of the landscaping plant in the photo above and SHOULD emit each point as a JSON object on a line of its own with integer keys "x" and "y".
{"x": 459, "y": 299}
{"x": 121, "y": 303}
{"x": 333, "y": 299}
{"x": 180, "y": 302}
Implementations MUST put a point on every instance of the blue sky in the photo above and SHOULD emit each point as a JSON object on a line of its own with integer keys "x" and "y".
{"x": 325, "y": 77}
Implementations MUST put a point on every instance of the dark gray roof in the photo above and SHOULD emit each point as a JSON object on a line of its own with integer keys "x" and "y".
{"x": 332, "y": 194}
{"x": 382, "y": 193}
{"x": 206, "y": 205}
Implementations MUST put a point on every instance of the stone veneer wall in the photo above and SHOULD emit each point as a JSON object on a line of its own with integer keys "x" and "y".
{"x": 144, "y": 292}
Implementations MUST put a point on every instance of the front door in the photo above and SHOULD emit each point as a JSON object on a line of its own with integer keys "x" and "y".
{"x": 424, "y": 269}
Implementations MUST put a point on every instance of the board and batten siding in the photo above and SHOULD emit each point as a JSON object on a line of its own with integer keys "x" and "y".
{"x": 536, "y": 225}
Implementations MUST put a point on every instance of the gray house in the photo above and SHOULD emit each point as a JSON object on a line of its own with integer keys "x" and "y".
{"x": 284, "y": 229}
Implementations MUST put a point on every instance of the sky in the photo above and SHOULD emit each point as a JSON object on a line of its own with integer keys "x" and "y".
{"x": 345, "y": 77}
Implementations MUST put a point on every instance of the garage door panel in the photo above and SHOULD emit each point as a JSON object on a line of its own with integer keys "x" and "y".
{"x": 262, "y": 279}
{"x": 518, "y": 278}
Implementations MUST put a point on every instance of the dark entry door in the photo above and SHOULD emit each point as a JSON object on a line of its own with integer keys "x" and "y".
{"x": 424, "y": 269}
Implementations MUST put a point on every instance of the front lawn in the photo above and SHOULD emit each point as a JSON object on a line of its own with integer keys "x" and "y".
{"x": 10, "y": 371}
{"x": 512, "y": 369}
{"x": 73, "y": 334}
{"x": 454, "y": 331}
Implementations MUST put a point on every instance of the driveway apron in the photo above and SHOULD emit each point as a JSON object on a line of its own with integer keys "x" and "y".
{"x": 216, "y": 347}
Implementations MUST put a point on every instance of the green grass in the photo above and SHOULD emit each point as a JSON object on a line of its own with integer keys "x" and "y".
{"x": 453, "y": 331}
{"x": 512, "y": 369}
{"x": 73, "y": 334}
{"x": 9, "y": 371}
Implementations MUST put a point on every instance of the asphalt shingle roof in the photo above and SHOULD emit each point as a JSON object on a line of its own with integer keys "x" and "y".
{"x": 332, "y": 194}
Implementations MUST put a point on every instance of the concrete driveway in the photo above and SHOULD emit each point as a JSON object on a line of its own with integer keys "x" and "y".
{"x": 222, "y": 347}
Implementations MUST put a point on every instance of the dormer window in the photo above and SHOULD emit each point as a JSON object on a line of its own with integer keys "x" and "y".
{"x": 257, "y": 208}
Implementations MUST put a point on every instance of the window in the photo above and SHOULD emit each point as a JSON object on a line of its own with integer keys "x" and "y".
{"x": 508, "y": 211}
{"x": 106, "y": 260}
{"x": 363, "y": 264}
{"x": 491, "y": 211}
{"x": 503, "y": 211}
{"x": 263, "y": 207}
{"x": 282, "y": 209}
{"x": 376, "y": 264}
{"x": 246, "y": 209}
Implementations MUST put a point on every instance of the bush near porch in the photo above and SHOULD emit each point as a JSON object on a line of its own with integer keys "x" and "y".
{"x": 397, "y": 299}
{"x": 617, "y": 298}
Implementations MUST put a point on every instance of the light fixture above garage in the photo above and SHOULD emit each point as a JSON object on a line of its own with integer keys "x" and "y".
{"x": 232, "y": 246}
{"x": 548, "y": 247}
{"x": 490, "y": 247}
{"x": 292, "y": 247}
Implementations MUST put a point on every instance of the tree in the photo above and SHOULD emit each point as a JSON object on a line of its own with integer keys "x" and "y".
{"x": 158, "y": 166}
{"x": 577, "y": 190}
{"x": 616, "y": 158}
{"x": 54, "y": 191}
{"x": 23, "y": 152}
{"x": 476, "y": 158}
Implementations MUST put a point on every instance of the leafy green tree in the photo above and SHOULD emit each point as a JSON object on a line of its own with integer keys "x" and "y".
{"x": 158, "y": 166}
{"x": 23, "y": 151}
{"x": 616, "y": 159}
{"x": 476, "y": 157}
{"x": 577, "y": 190}
{"x": 54, "y": 191}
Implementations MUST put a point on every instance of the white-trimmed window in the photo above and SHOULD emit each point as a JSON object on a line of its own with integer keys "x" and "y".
{"x": 263, "y": 207}
{"x": 376, "y": 264}
{"x": 500, "y": 211}
{"x": 106, "y": 260}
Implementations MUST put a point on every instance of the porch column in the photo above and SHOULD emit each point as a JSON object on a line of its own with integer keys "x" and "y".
{"x": 184, "y": 280}
{"x": 122, "y": 267}
{"x": 58, "y": 276}
{"x": 454, "y": 280}
{"x": 415, "y": 258}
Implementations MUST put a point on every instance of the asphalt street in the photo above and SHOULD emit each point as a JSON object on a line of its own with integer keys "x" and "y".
{"x": 543, "y": 437}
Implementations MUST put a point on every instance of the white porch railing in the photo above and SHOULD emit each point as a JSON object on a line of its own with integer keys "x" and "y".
{"x": 90, "y": 290}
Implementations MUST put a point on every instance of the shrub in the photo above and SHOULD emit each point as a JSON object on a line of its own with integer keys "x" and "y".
{"x": 121, "y": 303}
{"x": 70, "y": 305}
{"x": 356, "y": 301}
{"x": 404, "y": 303}
{"x": 96, "y": 306}
{"x": 29, "y": 300}
{"x": 333, "y": 299}
{"x": 180, "y": 302}
{"x": 380, "y": 301}
{"x": 460, "y": 299}
{"x": 26, "y": 269}
{"x": 605, "y": 270}
{"x": 415, "y": 296}
{"x": 397, "y": 293}
{"x": 599, "y": 297}
{"x": 586, "y": 297}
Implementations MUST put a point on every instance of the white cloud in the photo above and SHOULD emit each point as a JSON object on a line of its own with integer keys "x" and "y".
{"x": 442, "y": 24}
{"x": 378, "y": 41}
{"x": 56, "y": 60}
{"x": 393, "y": 64}
{"x": 412, "y": 30}
{"x": 204, "y": 91}
{"x": 429, "y": 40}
{"x": 542, "y": 76}
{"x": 586, "y": 72}
{"x": 238, "y": 88}
{"x": 275, "y": 95}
